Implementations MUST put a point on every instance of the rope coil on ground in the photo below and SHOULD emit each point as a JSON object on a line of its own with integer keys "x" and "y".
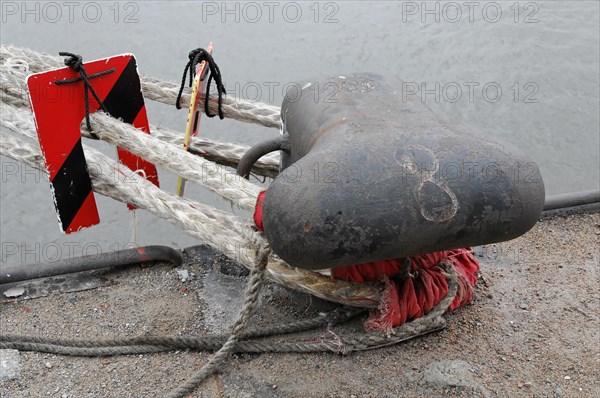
{"x": 249, "y": 343}
{"x": 150, "y": 344}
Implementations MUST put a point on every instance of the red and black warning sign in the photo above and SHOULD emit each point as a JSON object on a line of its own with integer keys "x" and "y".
{"x": 59, "y": 109}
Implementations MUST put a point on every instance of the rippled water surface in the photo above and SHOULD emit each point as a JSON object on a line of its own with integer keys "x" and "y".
{"x": 528, "y": 75}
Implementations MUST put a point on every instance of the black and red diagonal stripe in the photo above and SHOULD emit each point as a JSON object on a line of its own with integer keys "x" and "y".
{"x": 72, "y": 189}
{"x": 126, "y": 102}
{"x": 59, "y": 110}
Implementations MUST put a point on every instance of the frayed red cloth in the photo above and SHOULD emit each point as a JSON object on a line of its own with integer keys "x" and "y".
{"x": 408, "y": 297}
{"x": 411, "y": 296}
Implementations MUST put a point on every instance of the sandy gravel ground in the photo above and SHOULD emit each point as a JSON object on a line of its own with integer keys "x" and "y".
{"x": 533, "y": 331}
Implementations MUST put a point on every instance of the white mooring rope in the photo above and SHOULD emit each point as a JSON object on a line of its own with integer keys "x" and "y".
{"x": 14, "y": 71}
{"x": 223, "y": 231}
{"x": 201, "y": 171}
{"x": 153, "y": 89}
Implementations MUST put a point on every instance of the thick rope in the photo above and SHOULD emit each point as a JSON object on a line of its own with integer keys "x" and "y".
{"x": 221, "y": 230}
{"x": 224, "y": 153}
{"x": 201, "y": 171}
{"x": 205, "y": 343}
{"x": 233, "y": 108}
{"x": 331, "y": 342}
{"x": 153, "y": 89}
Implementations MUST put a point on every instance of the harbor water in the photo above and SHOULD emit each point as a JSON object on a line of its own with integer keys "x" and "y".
{"x": 524, "y": 72}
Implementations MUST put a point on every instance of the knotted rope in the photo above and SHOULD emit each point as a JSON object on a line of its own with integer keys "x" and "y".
{"x": 75, "y": 62}
{"x": 195, "y": 57}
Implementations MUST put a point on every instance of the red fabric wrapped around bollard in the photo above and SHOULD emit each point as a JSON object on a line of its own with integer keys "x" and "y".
{"x": 409, "y": 295}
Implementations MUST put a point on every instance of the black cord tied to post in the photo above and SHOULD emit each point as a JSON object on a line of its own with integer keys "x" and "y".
{"x": 75, "y": 62}
{"x": 195, "y": 57}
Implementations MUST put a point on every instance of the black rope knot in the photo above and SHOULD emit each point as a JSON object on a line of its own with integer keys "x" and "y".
{"x": 75, "y": 62}
{"x": 196, "y": 56}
